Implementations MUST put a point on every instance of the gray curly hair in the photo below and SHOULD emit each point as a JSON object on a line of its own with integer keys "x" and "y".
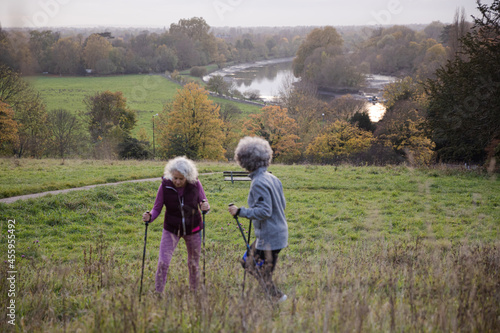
{"x": 185, "y": 166}
{"x": 252, "y": 153}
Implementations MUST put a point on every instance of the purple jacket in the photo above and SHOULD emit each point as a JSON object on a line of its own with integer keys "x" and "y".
{"x": 182, "y": 215}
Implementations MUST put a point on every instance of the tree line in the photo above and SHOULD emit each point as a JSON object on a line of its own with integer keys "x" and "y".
{"x": 192, "y": 42}
{"x": 188, "y": 43}
{"x": 446, "y": 108}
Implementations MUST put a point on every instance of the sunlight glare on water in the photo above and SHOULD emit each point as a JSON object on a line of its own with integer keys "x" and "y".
{"x": 375, "y": 111}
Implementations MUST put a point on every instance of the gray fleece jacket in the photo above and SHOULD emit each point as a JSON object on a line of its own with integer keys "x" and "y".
{"x": 266, "y": 203}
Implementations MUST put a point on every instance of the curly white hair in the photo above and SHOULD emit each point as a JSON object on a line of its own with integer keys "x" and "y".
{"x": 183, "y": 165}
{"x": 252, "y": 153}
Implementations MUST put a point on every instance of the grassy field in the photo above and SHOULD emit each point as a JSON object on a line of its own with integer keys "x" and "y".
{"x": 26, "y": 176}
{"x": 371, "y": 249}
{"x": 147, "y": 94}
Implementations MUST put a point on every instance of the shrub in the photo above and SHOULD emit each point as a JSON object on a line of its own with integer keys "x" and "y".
{"x": 198, "y": 71}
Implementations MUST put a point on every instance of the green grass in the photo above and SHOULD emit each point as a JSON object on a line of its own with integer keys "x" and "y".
{"x": 26, "y": 176}
{"x": 146, "y": 94}
{"x": 371, "y": 249}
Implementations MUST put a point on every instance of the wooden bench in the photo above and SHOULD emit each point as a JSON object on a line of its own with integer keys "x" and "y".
{"x": 235, "y": 176}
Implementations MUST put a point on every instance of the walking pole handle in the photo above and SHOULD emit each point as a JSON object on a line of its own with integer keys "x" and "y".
{"x": 241, "y": 230}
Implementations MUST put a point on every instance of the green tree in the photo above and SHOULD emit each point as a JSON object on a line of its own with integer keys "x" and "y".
{"x": 194, "y": 43}
{"x": 191, "y": 126}
{"x": 6, "y": 50}
{"x": 166, "y": 59}
{"x": 320, "y": 59}
{"x": 363, "y": 121}
{"x": 464, "y": 98}
{"x": 110, "y": 121}
{"x": 41, "y": 43}
{"x": 218, "y": 85}
{"x": 320, "y": 38}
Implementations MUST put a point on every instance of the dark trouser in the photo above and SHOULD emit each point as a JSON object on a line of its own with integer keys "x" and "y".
{"x": 264, "y": 273}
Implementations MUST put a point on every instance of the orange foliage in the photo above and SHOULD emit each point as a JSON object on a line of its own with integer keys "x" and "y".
{"x": 8, "y": 126}
{"x": 274, "y": 125}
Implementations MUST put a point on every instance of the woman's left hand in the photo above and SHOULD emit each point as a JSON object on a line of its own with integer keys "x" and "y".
{"x": 205, "y": 206}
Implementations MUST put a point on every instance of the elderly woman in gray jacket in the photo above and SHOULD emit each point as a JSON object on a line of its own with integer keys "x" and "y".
{"x": 266, "y": 209}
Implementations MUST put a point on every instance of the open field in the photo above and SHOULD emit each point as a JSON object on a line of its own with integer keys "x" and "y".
{"x": 371, "y": 249}
{"x": 147, "y": 94}
{"x": 26, "y": 176}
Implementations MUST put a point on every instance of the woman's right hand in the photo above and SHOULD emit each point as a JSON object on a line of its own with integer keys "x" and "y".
{"x": 146, "y": 217}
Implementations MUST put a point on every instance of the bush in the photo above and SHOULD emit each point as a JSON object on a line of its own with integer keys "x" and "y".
{"x": 131, "y": 148}
{"x": 198, "y": 71}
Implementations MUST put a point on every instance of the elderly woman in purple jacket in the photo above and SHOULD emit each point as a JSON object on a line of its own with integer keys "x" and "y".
{"x": 183, "y": 196}
{"x": 266, "y": 209}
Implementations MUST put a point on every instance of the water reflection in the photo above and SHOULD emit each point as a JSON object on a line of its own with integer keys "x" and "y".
{"x": 268, "y": 77}
{"x": 265, "y": 76}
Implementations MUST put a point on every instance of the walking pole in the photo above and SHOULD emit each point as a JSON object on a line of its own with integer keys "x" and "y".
{"x": 248, "y": 253}
{"x": 245, "y": 271}
{"x": 241, "y": 230}
{"x": 143, "y": 257}
{"x": 204, "y": 253}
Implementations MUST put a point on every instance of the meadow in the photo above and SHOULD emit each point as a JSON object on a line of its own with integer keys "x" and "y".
{"x": 371, "y": 249}
{"x": 146, "y": 94}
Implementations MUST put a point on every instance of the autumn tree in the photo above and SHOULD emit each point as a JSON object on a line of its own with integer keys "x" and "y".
{"x": 110, "y": 121}
{"x": 402, "y": 129}
{"x": 405, "y": 89}
{"x": 229, "y": 114}
{"x": 339, "y": 141}
{"x": 29, "y": 112}
{"x": 8, "y": 129}
{"x": 191, "y": 126}
{"x": 67, "y": 56}
{"x": 434, "y": 58}
{"x": 402, "y": 126}
{"x": 274, "y": 125}
{"x": 96, "y": 51}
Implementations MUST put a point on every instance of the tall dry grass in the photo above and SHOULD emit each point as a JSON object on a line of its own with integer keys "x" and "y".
{"x": 352, "y": 287}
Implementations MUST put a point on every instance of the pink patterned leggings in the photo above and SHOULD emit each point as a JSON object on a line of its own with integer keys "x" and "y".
{"x": 168, "y": 244}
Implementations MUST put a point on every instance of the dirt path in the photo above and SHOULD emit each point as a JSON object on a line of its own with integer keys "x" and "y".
{"x": 36, "y": 195}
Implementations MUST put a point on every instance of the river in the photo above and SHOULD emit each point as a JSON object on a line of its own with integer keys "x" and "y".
{"x": 269, "y": 76}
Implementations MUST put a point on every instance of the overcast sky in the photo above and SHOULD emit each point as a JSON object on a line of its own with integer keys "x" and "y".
{"x": 218, "y": 13}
